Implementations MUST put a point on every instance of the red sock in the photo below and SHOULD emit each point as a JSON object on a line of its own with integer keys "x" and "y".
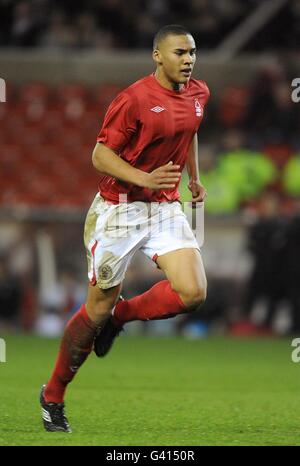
{"x": 160, "y": 302}
{"x": 76, "y": 345}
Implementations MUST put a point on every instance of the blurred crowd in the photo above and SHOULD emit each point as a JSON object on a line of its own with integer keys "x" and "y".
{"x": 274, "y": 243}
{"x": 268, "y": 300}
{"x": 105, "y": 24}
{"x": 251, "y": 144}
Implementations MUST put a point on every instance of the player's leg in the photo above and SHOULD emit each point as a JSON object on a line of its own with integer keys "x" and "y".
{"x": 184, "y": 270}
{"x": 76, "y": 344}
{"x": 79, "y": 335}
{"x": 78, "y": 338}
{"x": 173, "y": 246}
{"x": 184, "y": 289}
{"x": 100, "y": 302}
{"x": 110, "y": 247}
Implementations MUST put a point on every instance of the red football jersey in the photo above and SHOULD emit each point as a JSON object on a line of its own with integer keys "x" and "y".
{"x": 149, "y": 126}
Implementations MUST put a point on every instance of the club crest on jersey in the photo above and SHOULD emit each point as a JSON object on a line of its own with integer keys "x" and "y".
{"x": 157, "y": 109}
{"x": 198, "y": 108}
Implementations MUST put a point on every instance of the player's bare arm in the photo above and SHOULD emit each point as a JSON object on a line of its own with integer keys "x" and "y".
{"x": 195, "y": 185}
{"x": 108, "y": 162}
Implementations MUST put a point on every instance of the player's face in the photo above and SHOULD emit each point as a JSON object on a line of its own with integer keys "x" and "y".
{"x": 175, "y": 57}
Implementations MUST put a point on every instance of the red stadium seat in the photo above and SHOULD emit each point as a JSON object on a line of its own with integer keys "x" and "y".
{"x": 105, "y": 93}
{"x": 69, "y": 137}
{"x": 34, "y": 91}
{"x": 35, "y": 111}
{"x": 91, "y": 125}
{"x": 11, "y": 155}
{"x": 32, "y": 135}
{"x": 51, "y": 135}
{"x": 72, "y": 91}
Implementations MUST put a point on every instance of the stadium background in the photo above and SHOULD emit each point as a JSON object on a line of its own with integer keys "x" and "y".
{"x": 63, "y": 63}
{"x": 62, "y": 66}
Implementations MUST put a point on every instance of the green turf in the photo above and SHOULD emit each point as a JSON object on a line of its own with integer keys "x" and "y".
{"x": 216, "y": 391}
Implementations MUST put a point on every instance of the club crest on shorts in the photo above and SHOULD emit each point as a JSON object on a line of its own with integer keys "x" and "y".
{"x": 105, "y": 272}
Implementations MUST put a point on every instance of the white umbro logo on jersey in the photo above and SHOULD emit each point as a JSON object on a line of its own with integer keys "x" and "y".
{"x": 157, "y": 109}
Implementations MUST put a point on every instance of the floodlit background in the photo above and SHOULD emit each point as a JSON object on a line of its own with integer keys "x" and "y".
{"x": 63, "y": 63}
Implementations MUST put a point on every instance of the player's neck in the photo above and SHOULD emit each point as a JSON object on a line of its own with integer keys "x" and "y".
{"x": 164, "y": 82}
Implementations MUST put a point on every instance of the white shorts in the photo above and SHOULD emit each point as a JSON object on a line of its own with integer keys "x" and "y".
{"x": 114, "y": 232}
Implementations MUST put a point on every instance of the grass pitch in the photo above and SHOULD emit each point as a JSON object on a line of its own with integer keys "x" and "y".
{"x": 217, "y": 391}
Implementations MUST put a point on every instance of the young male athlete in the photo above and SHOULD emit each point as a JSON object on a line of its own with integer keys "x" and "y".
{"x": 149, "y": 134}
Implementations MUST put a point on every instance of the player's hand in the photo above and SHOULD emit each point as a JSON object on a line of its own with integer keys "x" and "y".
{"x": 198, "y": 191}
{"x": 164, "y": 177}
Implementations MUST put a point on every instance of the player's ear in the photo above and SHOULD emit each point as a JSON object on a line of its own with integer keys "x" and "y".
{"x": 156, "y": 56}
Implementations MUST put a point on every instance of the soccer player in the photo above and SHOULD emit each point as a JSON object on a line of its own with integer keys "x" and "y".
{"x": 148, "y": 135}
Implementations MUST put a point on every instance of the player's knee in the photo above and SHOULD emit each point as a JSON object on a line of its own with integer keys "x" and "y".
{"x": 100, "y": 310}
{"x": 194, "y": 296}
{"x": 101, "y": 302}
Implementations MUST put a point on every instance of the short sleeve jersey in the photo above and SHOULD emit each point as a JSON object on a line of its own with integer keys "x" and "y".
{"x": 148, "y": 126}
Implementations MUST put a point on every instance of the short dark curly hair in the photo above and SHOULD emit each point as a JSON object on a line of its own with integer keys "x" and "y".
{"x": 170, "y": 29}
